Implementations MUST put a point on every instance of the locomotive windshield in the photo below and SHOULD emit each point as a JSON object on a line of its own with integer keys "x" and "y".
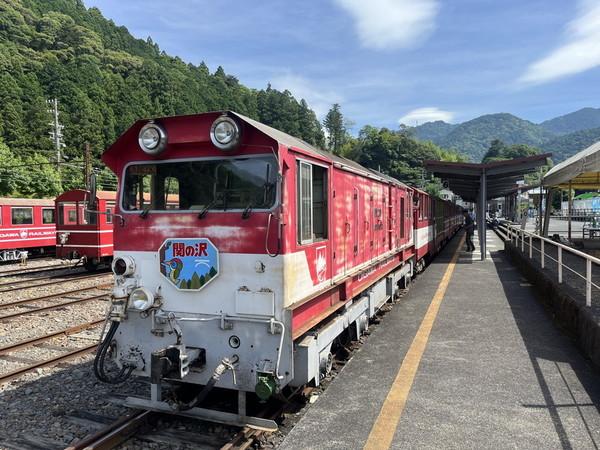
{"x": 201, "y": 185}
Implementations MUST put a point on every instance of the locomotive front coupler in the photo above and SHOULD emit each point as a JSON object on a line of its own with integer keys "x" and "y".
{"x": 225, "y": 365}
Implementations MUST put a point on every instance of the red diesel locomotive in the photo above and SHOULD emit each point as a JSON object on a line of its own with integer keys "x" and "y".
{"x": 27, "y": 226}
{"x": 83, "y": 235}
{"x": 272, "y": 251}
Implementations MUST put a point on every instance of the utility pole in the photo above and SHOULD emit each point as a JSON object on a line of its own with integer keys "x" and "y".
{"x": 55, "y": 135}
{"x": 88, "y": 166}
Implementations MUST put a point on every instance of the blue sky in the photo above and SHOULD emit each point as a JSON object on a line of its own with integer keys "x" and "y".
{"x": 390, "y": 61}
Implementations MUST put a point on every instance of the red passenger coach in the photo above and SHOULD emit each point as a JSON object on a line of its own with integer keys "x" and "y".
{"x": 271, "y": 250}
{"x": 26, "y": 227}
{"x": 85, "y": 235}
{"x": 436, "y": 221}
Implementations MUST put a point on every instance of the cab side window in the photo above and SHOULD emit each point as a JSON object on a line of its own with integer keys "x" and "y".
{"x": 311, "y": 199}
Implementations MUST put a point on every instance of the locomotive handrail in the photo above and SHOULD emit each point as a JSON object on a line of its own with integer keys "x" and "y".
{"x": 121, "y": 218}
{"x": 279, "y": 225}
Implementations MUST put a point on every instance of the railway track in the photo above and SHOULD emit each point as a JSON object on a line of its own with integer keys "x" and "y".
{"x": 49, "y": 349}
{"x": 137, "y": 427}
{"x": 49, "y": 297}
{"x": 35, "y": 269}
{"x": 65, "y": 300}
{"x": 50, "y": 280}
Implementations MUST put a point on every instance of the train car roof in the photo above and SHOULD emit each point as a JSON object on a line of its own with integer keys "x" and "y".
{"x": 80, "y": 194}
{"x": 26, "y": 202}
{"x": 293, "y": 142}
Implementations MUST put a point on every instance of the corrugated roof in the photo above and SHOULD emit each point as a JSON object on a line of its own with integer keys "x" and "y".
{"x": 464, "y": 179}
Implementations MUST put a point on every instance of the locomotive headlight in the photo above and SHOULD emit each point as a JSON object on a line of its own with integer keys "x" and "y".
{"x": 152, "y": 139}
{"x": 225, "y": 133}
{"x": 123, "y": 266}
{"x": 141, "y": 299}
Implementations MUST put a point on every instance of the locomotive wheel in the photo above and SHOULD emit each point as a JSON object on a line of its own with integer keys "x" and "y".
{"x": 90, "y": 265}
{"x": 405, "y": 281}
{"x": 327, "y": 365}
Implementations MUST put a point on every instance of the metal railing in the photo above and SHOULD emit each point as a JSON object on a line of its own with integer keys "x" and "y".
{"x": 577, "y": 214}
{"x": 549, "y": 250}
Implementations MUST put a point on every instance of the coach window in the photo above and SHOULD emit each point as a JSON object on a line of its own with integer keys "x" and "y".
{"x": 64, "y": 215}
{"x": 48, "y": 216}
{"x": 22, "y": 216}
{"x": 110, "y": 207}
{"x": 87, "y": 215}
{"x": 312, "y": 202}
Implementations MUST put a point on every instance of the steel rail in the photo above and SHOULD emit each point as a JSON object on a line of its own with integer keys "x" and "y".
{"x": 51, "y": 296}
{"x": 115, "y": 433}
{"x": 8, "y": 273}
{"x": 33, "y": 280}
{"x": 48, "y": 362}
{"x": 47, "y": 337}
{"x": 51, "y": 307}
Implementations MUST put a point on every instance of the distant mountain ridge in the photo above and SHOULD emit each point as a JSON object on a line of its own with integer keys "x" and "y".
{"x": 583, "y": 119}
{"x": 563, "y": 136}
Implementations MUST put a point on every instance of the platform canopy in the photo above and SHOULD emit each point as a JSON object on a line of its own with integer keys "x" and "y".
{"x": 499, "y": 178}
{"x": 580, "y": 171}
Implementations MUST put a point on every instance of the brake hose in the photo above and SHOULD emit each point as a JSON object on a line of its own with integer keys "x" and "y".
{"x": 101, "y": 355}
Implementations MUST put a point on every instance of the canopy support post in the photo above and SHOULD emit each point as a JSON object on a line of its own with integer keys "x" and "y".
{"x": 570, "y": 197}
{"x": 481, "y": 223}
{"x": 549, "y": 198}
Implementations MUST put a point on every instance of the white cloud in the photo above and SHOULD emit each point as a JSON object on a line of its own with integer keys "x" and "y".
{"x": 580, "y": 51}
{"x": 302, "y": 88}
{"x": 423, "y": 115}
{"x": 390, "y": 24}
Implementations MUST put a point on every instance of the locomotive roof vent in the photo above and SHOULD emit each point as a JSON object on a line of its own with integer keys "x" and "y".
{"x": 152, "y": 139}
{"x": 225, "y": 133}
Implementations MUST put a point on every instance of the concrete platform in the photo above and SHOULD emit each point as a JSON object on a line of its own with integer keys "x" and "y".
{"x": 468, "y": 359}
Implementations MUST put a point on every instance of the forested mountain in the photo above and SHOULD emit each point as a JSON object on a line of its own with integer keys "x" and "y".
{"x": 566, "y": 145}
{"x": 473, "y": 138}
{"x": 583, "y": 119}
{"x": 104, "y": 80}
{"x": 433, "y": 131}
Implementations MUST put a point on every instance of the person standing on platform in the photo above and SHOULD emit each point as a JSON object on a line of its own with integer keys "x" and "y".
{"x": 469, "y": 230}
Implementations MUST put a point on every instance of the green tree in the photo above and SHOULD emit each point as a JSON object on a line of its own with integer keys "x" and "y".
{"x": 11, "y": 172}
{"x": 394, "y": 153}
{"x": 336, "y": 127}
{"x": 42, "y": 178}
{"x": 495, "y": 151}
